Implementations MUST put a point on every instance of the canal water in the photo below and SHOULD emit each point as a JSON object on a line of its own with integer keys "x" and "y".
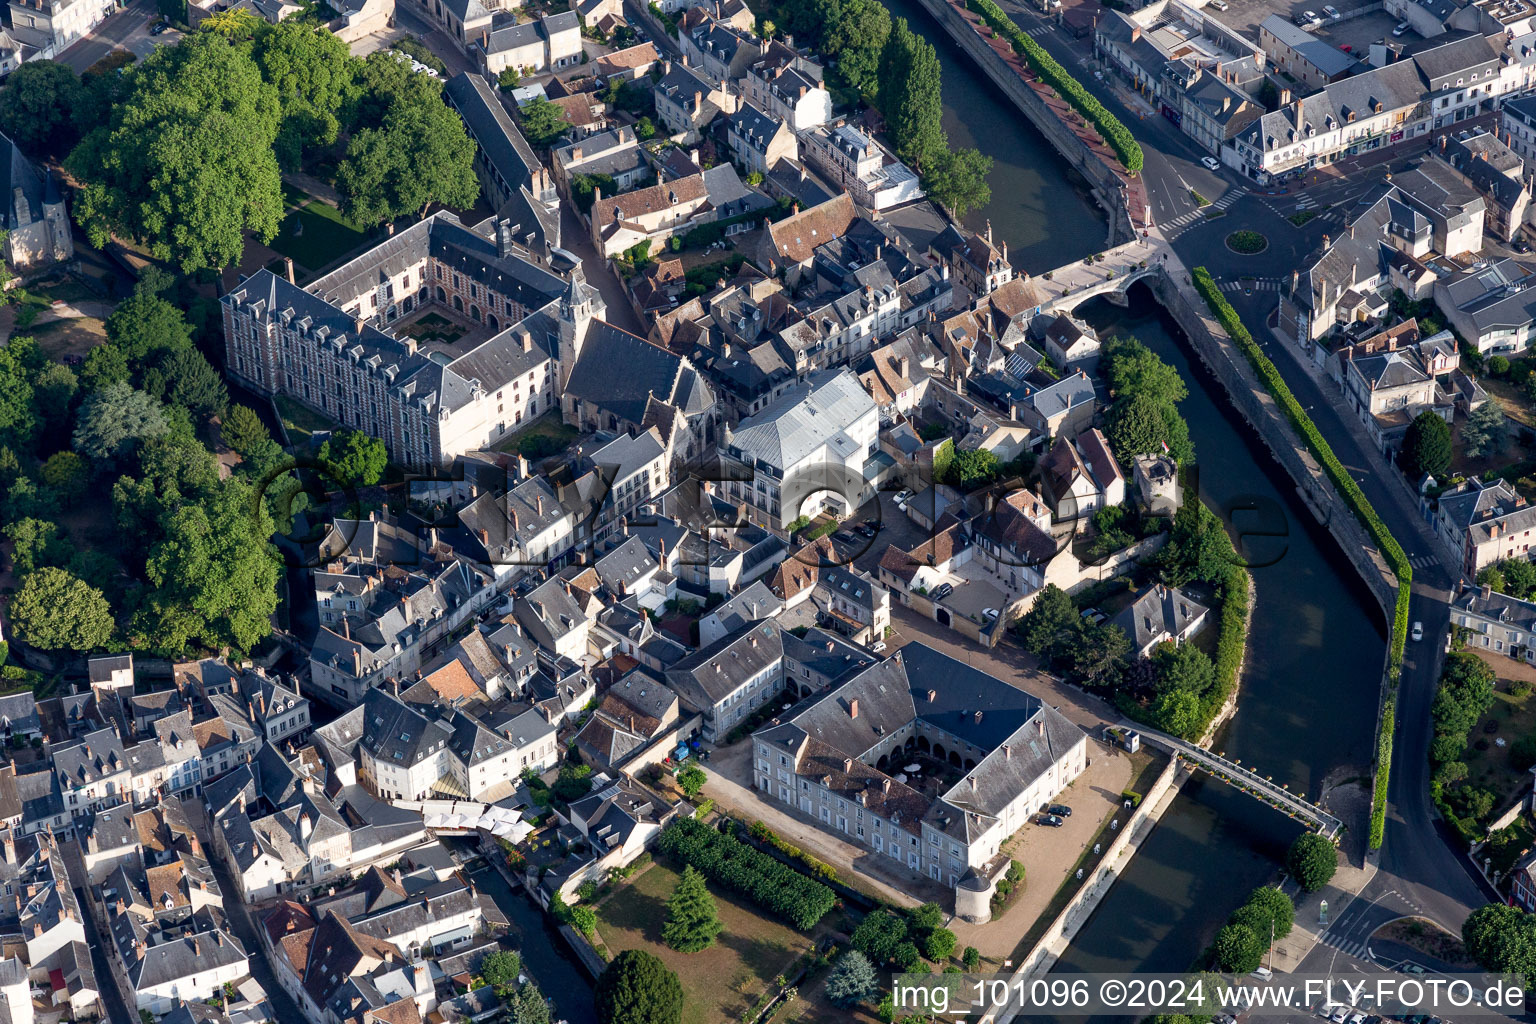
{"x": 1306, "y": 707}
{"x": 1040, "y": 206}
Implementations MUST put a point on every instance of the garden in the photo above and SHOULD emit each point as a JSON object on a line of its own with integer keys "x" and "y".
{"x": 313, "y": 233}
{"x": 1484, "y": 738}
{"x": 1247, "y": 243}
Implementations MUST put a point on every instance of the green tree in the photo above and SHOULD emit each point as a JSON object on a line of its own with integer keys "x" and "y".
{"x": 1198, "y": 548}
{"x": 53, "y": 394}
{"x": 355, "y": 458}
{"x": 1465, "y": 692}
{"x": 852, "y": 979}
{"x": 20, "y": 363}
{"x": 500, "y": 970}
{"x": 1237, "y": 949}
{"x": 910, "y": 96}
{"x": 529, "y": 1005}
{"x": 637, "y": 988}
{"x": 585, "y": 189}
{"x": 1130, "y": 368}
{"x": 957, "y": 180}
{"x": 192, "y": 383}
{"x": 1098, "y": 652}
{"x": 1484, "y": 431}
{"x": 66, "y": 474}
{"x": 971, "y": 958}
{"x": 1051, "y": 623}
{"x": 34, "y": 543}
{"x": 1519, "y": 578}
{"x": 972, "y": 468}
{"x": 543, "y": 122}
{"x": 1140, "y": 425}
{"x": 1183, "y": 667}
{"x": 241, "y": 429}
{"x": 37, "y": 107}
{"x": 1501, "y": 938}
{"x": 693, "y": 923}
{"x": 878, "y": 936}
{"x": 1267, "y": 908}
{"x": 419, "y": 155}
{"x": 584, "y": 920}
{"x": 147, "y": 329}
{"x": 1177, "y": 712}
{"x": 691, "y": 779}
{"x": 104, "y": 364}
{"x": 1426, "y": 446}
{"x": 55, "y": 611}
{"x": 508, "y": 79}
{"x": 312, "y": 72}
{"x": 184, "y": 164}
{"x": 1490, "y": 576}
{"x": 854, "y": 35}
{"x": 1311, "y": 860}
{"x": 939, "y": 946}
{"x": 115, "y": 420}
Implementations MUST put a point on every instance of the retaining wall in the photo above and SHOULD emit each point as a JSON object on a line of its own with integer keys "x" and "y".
{"x": 1105, "y": 183}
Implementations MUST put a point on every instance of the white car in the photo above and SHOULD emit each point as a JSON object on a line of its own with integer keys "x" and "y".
{"x": 1331, "y": 11}
{"x": 1418, "y": 631}
{"x": 989, "y": 613}
{"x": 1402, "y": 28}
{"x": 877, "y": 646}
{"x": 1309, "y": 18}
{"x": 1220, "y": 5}
{"x": 1210, "y": 163}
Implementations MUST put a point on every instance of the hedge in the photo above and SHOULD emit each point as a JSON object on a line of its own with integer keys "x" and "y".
{"x": 726, "y": 860}
{"x": 1119, "y": 137}
{"x": 1383, "y": 771}
{"x": 1355, "y": 498}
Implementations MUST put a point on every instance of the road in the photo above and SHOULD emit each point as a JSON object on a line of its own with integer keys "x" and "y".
{"x": 126, "y": 29}
{"x": 106, "y": 979}
{"x": 239, "y": 917}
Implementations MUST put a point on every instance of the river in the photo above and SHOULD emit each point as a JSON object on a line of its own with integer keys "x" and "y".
{"x": 1040, "y": 206}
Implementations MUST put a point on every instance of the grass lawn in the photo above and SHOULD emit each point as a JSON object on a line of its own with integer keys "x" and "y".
{"x": 1489, "y": 768}
{"x": 545, "y": 436}
{"x": 719, "y": 982}
{"x": 326, "y": 235}
{"x": 300, "y": 420}
{"x": 61, "y": 338}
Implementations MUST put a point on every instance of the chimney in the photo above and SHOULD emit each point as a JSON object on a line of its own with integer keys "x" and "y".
{"x": 1487, "y": 591}
{"x": 288, "y": 268}
{"x": 885, "y": 785}
{"x": 853, "y": 708}
{"x": 847, "y": 764}
{"x": 359, "y": 323}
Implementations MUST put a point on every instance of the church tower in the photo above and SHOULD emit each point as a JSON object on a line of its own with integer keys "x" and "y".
{"x": 579, "y": 306}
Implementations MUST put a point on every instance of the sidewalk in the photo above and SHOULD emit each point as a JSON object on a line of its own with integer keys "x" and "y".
{"x": 1345, "y": 888}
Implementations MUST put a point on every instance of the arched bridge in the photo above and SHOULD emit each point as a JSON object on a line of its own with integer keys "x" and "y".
{"x": 1247, "y": 780}
{"x": 1110, "y": 273}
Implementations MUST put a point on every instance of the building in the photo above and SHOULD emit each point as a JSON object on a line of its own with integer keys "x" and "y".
{"x": 1482, "y": 524}
{"x": 851, "y": 159}
{"x": 328, "y": 346}
{"x": 758, "y": 141}
{"x": 615, "y": 153}
{"x": 497, "y": 38}
{"x": 1063, "y": 408}
{"x": 36, "y": 219}
{"x": 1496, "y": 173}
{"x": 52, "y": 25}
{"x": 1490, "y": 306}
{"x": 807, "y": 453}
{"x": 1081, "y": 476}
{"x": 1495, "y": 622}
{"x": 834, "y": 764}
{"x": 1389, "y": 385}
{"x": 1161, "y": 615}
{"x": 686, "y": 104}
{"x": 647, "y": 217}
{"x": 787, "y": 86}
{"x": 1301, "y": 54}
{"x": 626, "y": 384}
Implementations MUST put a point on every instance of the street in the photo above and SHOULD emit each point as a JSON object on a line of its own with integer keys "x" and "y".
{"x": 127, "y": 29}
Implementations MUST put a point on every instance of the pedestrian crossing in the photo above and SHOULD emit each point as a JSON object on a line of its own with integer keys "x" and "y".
{"x": 1263, "y": 284}
{"x": 1183, "y": 220}
{"x": 1040, "y": 31}
{"x": 1423, "y": 561}
{"x": 1355, "y": 948}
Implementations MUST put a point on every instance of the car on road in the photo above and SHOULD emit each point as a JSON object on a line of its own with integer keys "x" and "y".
{"x": 1401, "y": 29}
{"x": 159, "y": 27}
{"x": 1048, "y": 819}
{"x": 1418, "y": 631}
{"x": 1060, "y": 810}
{"x": 1520, "y": 245}
{"x": 1211, "y": 163}
{"x": 1331, "y": 11}
{"x": 942, "y": 591}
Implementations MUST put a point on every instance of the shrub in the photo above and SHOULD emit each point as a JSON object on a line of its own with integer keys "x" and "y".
{"x": 728, "y": 862}
{"x": 1518, "y": 688}
{"x": 1131, "y": 795}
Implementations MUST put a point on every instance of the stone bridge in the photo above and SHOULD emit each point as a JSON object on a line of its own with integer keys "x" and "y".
{"x": 1110, "y": 274}
{"x": 1247, "y": 780}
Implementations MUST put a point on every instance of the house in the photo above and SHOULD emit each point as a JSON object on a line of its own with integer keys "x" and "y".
{"x": 791, "y": 243}
{"x": 1157, "y": 483}
{"x": 1071, "y": 343}
{"x": 625, "y": 383}
{"x": 634, "y": 713}
{"x": 1389, "y": 385}
{"x": 1159, "y": 615}
{"x": 728, "y": 680}
{"x": 1496, "y": 173}
{"x": 789, "y": 87}
{"x": 52, "y": 25}
{"x": 615, "y": 153}
{"x": 1300, "y": 54}
{"x": 833, "y": 764}
{"x": 647, "y": 217}
{"x": 850, "y": 158}
{"x": 36, "y": 219}
{"x": 1495, "y": 622}
{"x": 550, "y": 42}
{"x": 1343, "y": 282}
{"x": 758, "y": 140}
{"x": 1455, "y": 209}
{"x": 1484, "y": 523}
{"x": 976, "y": 264}
{"x": 1081, "y": 476}
{"x": 807, "y": 453}
{"x": 1064, "y": 408}
{"x": 686, "y": 103}
{"x": 857, "y": 607}
{"x": 1491, "y": 307}
{"x": 718, "y": 50}
{"x": 628, "y": 64}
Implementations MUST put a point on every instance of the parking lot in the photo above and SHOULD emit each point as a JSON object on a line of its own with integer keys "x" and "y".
{"x": 1358, "y": 33}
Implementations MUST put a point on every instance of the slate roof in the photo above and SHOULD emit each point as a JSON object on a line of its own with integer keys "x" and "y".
{"x": 806, "y": 418}
{"x": 620, "y": 373}
{"x": 1159, "y": 612}
{"x": 713, "y": 672}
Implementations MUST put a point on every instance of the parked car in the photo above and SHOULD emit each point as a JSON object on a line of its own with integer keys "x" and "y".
{"x": 1357, "y": 1018}
{"x": 864, "y": 531}
{"x": 1307, "y": 18}
{"x": 878, "y": 646}
{"x": 160, "y": 26}
{"x": 1048, "y": 819}
{"x": 1401, "y": 29}
{"x": 1332, "y": 12}
{"x": 990, "y": 613}
{"x": 1520, "y": 245}
{"x": 1211, "y": 163}
{"x": 1339, "y": 1014}
{"x": 1060, "y": 810}
{"x": 844, "y": 537}
{"x": 1347, "y": 48}
{"x": 875, "y": 524}
{"x": 942, "y": 591}
{"x": 1220, "y": 5}
{"x": 1418, "y": 631}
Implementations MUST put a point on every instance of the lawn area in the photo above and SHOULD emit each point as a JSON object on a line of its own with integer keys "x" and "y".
{"x": 300, "y": 420}
{"x": 321, "y": 234}
{"x": 548, "y": 435}
{"x": 1486, "y": 757}
{"x": 62, "y": 338}
{"x": 720, "y": 982}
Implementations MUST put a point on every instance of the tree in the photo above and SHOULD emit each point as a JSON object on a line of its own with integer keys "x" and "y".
{"x": 584, "y": 920}
{"x": 1519, "y": 578}
{"x": 501, "y": 969}
{"x": 312, "y": 71}
{"x": 104, "y": 364}
{"x": 854, "y": 35}
{"x": 508, "y": 79}
{"x": 585, "y": 189}
{"x": 879, "y": 935}
{"x": 939, "y": 946}
{"x": 529, "y": 1006}
{"x": 637, "y": 988}
{"x": 1051, "y": 623}
{"x": 1130, "y": 368}
{"x": 1267, "y": 908}
{"x": 1501, "y": 938}
{"x": 1098, "y": 652}
{"x": 116, "y": 420}
{"x": 419, "y": 155}
{"x": 147, "y": 329}
{"x": 910, "y": 96}
{"x": 1177, "y": 712}
{"x": 1198, "y": 548}
{"x": 34, "y": 542}
{"x": 1311, "y": 860}
{"x": 1485, "y": 429}
{"x": 53, "y": 395}
{"x": 1490, "y": 576}
{"x": 543, "y": 122}
{"x": 185, "y": 163}
{"x": 972, "y": 468}
{"x": 1426, "y": 446}
{"x": 1183, "y": 667}
{"x": 66, "y": 474}
{"x": 852, "y": 979}
{"x": 691, "y": 779}
{"x": 191, "y": 382}
{"x": 241, "y": 429}
{"x": 355, "y": 458}
{"x": 37, "y": 106}
{"x": 692, "y": 920}
{"x": 55, "y": 611}
{"x": 1140, "y": 425}
{"x": 1237, "y": 949}
{"x": 1465, "y": 692}
{"x": 20, "y": 363}
{"x": 957, "y": 179}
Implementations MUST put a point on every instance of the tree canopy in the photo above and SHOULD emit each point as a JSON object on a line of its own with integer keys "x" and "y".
{"x": 37, "y": 107}
{"x": 115, "y": 420}
{"x": 1426, "y": 446}
{"x": 355, "y": 458}
{"x": 692, "y": 920}
{"x": 1501, "y": 938}
{"x": 1312, "y": 861}
{"x": 637, "y": 988}
{"x": 54, "y": 611}
{"x": 909, "y": 76}
{"x": 852, "y": 979}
